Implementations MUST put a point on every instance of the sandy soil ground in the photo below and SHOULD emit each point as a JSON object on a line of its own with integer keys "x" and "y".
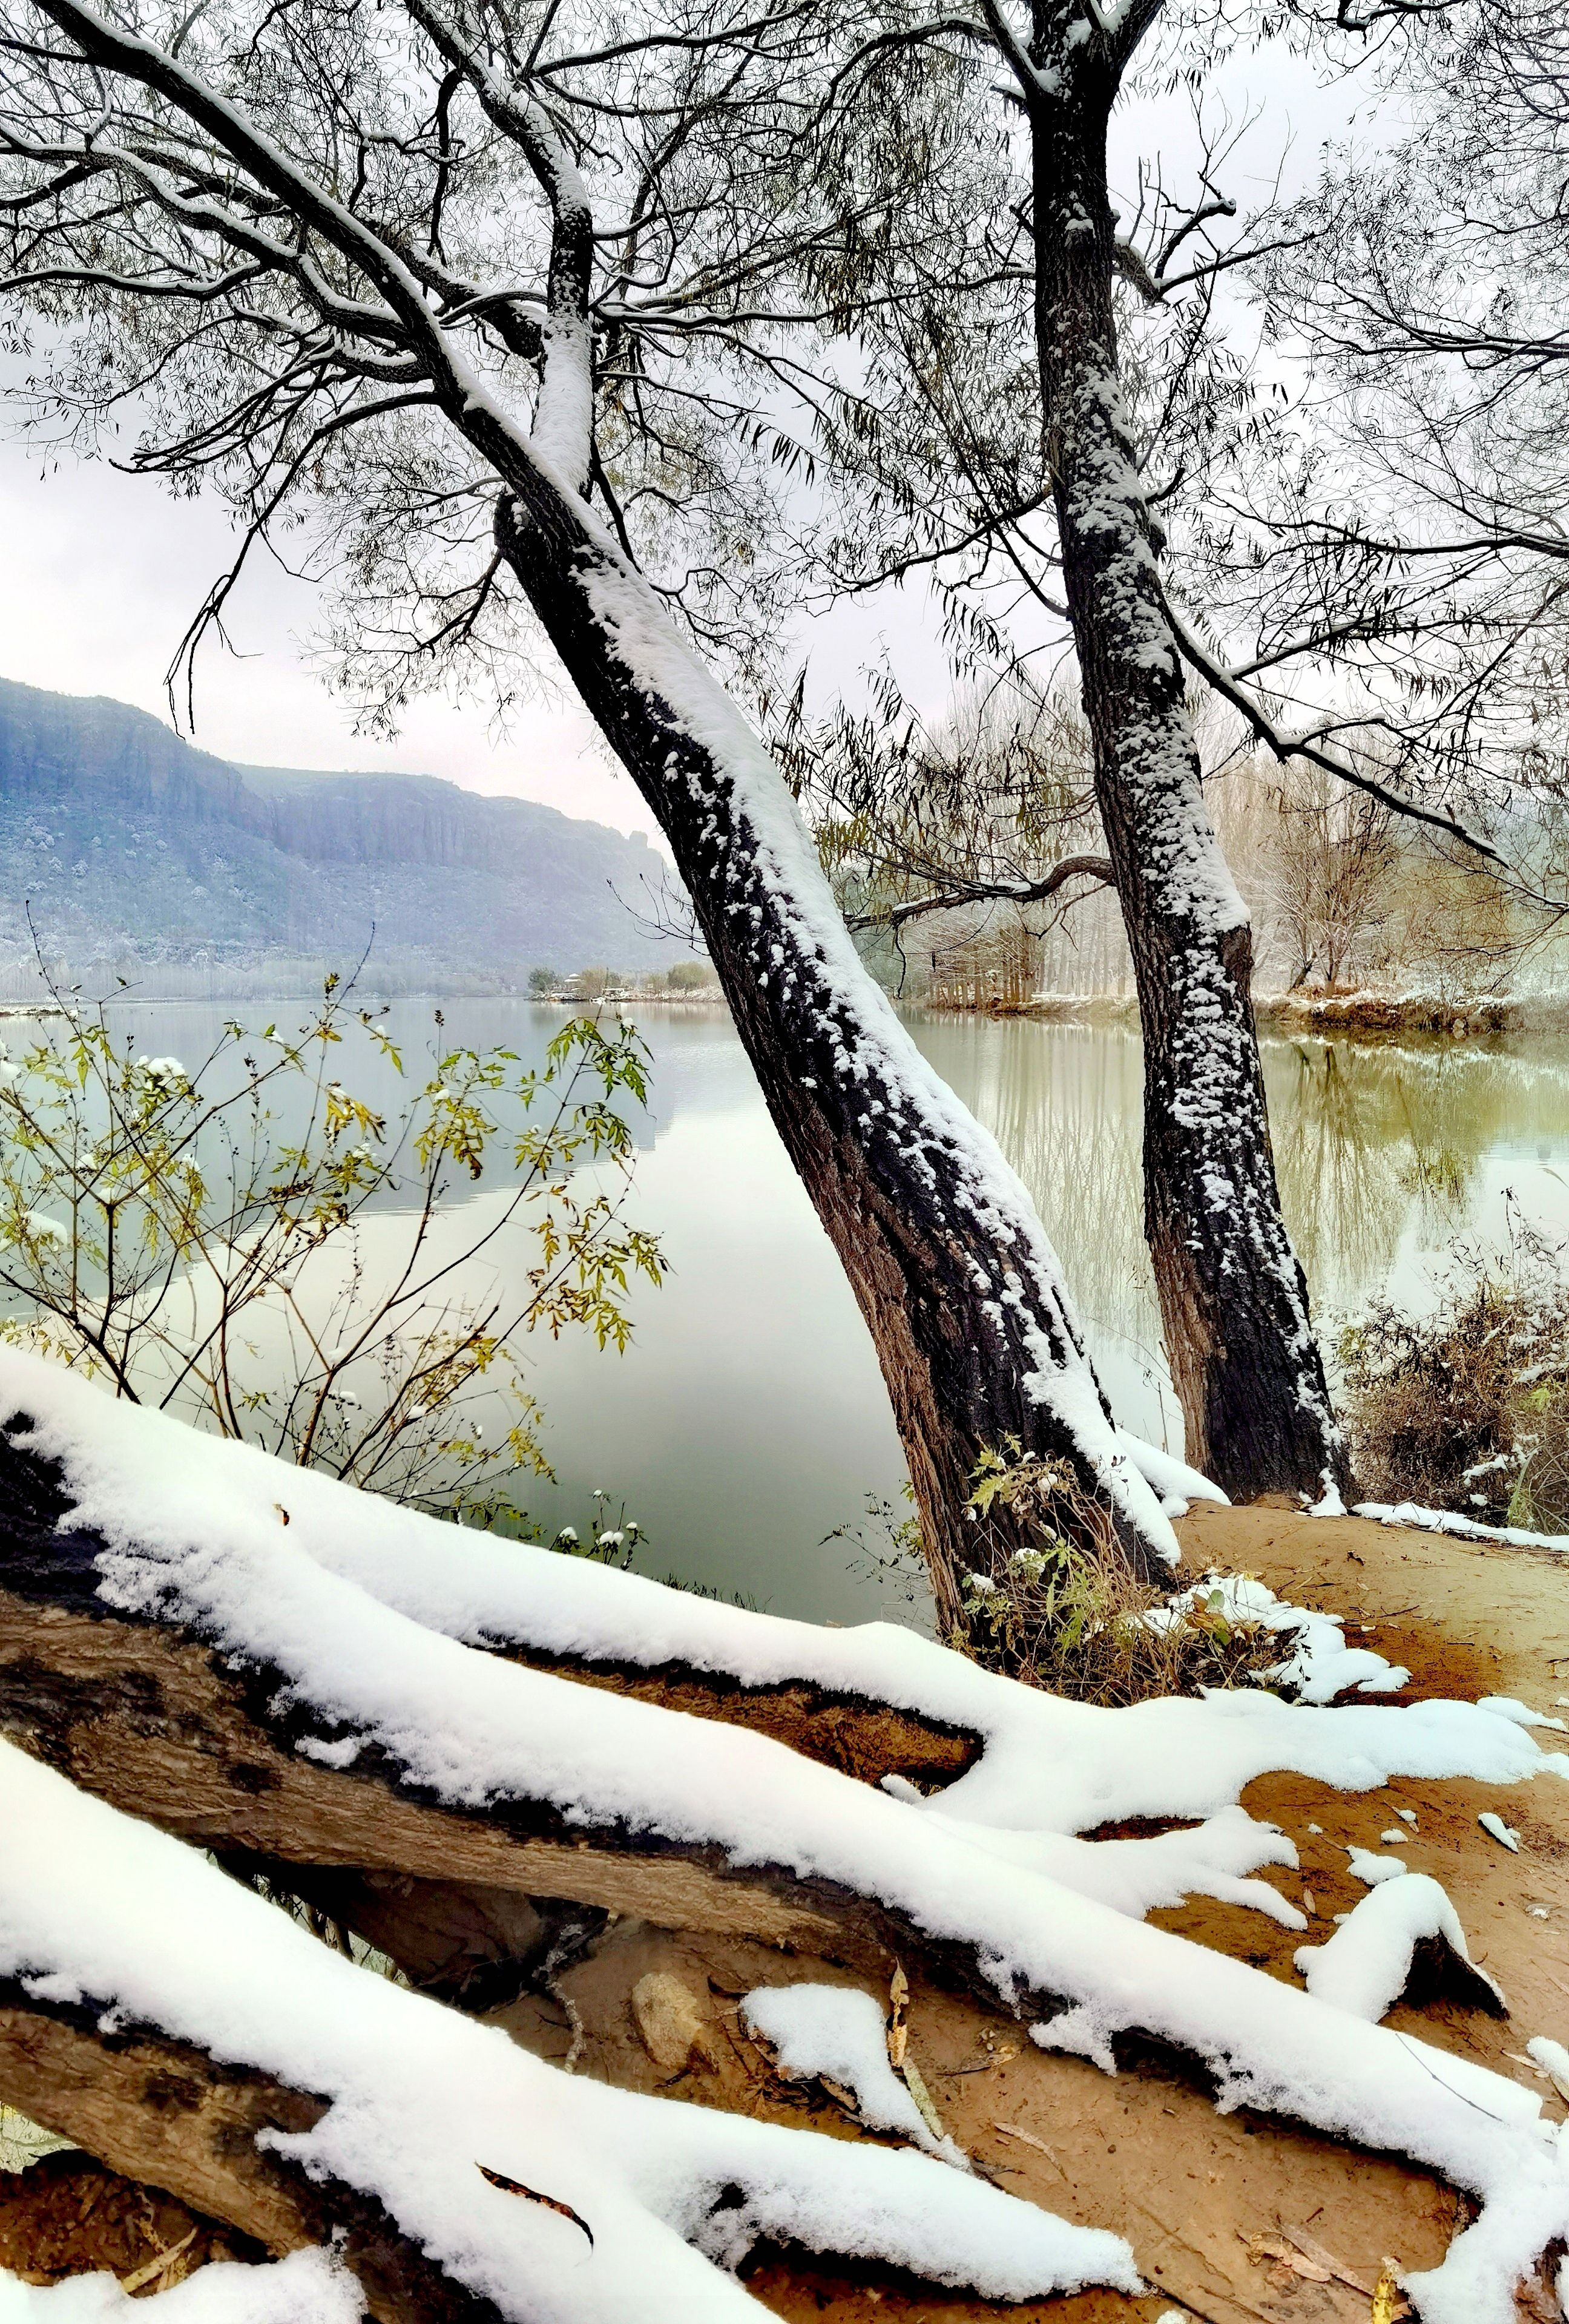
{"x": 1209, "y": 2202}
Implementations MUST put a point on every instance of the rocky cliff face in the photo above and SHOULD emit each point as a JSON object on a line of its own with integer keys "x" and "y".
{"x": 138, "y": 853}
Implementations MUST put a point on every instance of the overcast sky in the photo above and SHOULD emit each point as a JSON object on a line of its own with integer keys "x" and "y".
{"x": 103, "y": 572}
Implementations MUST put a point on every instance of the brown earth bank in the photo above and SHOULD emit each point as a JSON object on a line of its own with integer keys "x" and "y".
{"x": 1359, "y": 1011}
{"x": 1233, "y": 2219}
{"x": 1363, "y": 1013}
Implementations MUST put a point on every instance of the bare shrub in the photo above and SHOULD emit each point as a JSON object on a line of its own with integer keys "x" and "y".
{"x": 1068, "y": 1613}
{"x": 249, "y": 1243}
{"x": 1467, "y": 1407}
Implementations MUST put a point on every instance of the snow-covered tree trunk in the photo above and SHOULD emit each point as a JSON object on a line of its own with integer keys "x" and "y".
{"x": 959, "y": 1287}
{"x": 961, "y": 1290}
{"x": 1234, "y": 1298}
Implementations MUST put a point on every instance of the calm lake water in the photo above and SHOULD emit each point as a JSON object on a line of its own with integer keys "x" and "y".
{"x": 747, "y": 1420}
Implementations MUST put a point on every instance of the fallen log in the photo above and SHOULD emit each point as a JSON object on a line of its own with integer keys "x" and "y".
{"x": 164, "y": 2112}
{"x": 191, "y": 2036}
{"x": 159, "y": 1723}
{"x": 283, "y": 1705}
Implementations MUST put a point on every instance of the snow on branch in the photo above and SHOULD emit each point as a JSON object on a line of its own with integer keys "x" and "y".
{"x": 1308, "y": 747}
{"x": 549, "y": 2198}
{"x": 1366, "y": 1966}
{"x": 180, "y": 1534}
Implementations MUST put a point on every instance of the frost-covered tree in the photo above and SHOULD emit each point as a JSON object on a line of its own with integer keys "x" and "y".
{"x": 494, "y": 297}
{"x": 1026, "y": 458}
{"x": 1389, "y": 551}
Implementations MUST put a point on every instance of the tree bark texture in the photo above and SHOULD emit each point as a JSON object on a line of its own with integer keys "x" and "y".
{"x": 153, "y": 1721}
{"x": 960, "y": 1290}
{"x": 159, "y": 2110}
{"x": 1234, "y": 1298}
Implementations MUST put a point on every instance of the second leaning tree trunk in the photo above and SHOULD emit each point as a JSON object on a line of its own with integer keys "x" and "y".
{"x": 1233, "y": 1299}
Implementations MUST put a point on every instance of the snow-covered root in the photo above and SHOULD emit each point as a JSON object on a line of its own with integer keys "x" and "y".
{"x": 1423, "y": 1520}
{"x": 1171, "y": 1479}
{"x": 308, "y": 2287}
{"x": 1364, "y": 1967}
{"x": 196, "y": 1541}
{"x": 1283, "y": 2053}
{"x": 1137, "y": 1876}
{"x": 195, "y": 1537}
{"x": 96, "y": 1907}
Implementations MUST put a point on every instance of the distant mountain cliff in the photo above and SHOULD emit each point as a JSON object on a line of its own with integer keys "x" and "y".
{"x": 141, "y": 855}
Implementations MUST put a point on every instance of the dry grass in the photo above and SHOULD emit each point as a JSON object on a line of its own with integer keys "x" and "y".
{"x": 1468, "y": 1408}
{"x": 1065, "y": 1611}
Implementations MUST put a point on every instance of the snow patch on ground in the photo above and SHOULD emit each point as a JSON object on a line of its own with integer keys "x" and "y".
{"x": 308, "y": 2287}
{"x": 838, "y": 2031}
{"x": 1372, "y": 1868}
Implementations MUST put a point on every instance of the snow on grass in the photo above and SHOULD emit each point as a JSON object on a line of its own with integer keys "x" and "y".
{"x": 94, "y": 1906}
{"x": 840, "y": 2032}
{"x": 1320, "y": 1664}
{"x": 1364, "y": 1966}
{"x": 308, "y": 2287}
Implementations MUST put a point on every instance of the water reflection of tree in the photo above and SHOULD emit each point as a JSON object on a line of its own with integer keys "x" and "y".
{"x": 1376, "y": 1145}
{"x": 1064, "y": 1102}
{"x": 1340, "y": 1189}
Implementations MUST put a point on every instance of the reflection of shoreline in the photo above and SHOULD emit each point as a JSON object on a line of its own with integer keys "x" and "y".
{"x": 1384, "y": 1150}
{"x": 1368, "y": 1016}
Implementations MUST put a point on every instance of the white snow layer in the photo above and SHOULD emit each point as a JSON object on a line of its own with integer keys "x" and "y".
{"x": 1320, "y": 1664}
{"x": 839, "y": 2031}
{"x": 1411, "y": 1513}
{"x": 194, "y": 1527}
{"x": 308, "y": 2287}
{"x": 195, "y": 1534}
{"x": 420, "y": 2096}
{"x": 1364, "y": 1966}
{"x": 1372, "y": 1869}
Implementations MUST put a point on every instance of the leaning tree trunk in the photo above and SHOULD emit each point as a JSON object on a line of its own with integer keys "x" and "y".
{"x": 1233, "y": 1299}
{"x": 958, "y": 1285}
